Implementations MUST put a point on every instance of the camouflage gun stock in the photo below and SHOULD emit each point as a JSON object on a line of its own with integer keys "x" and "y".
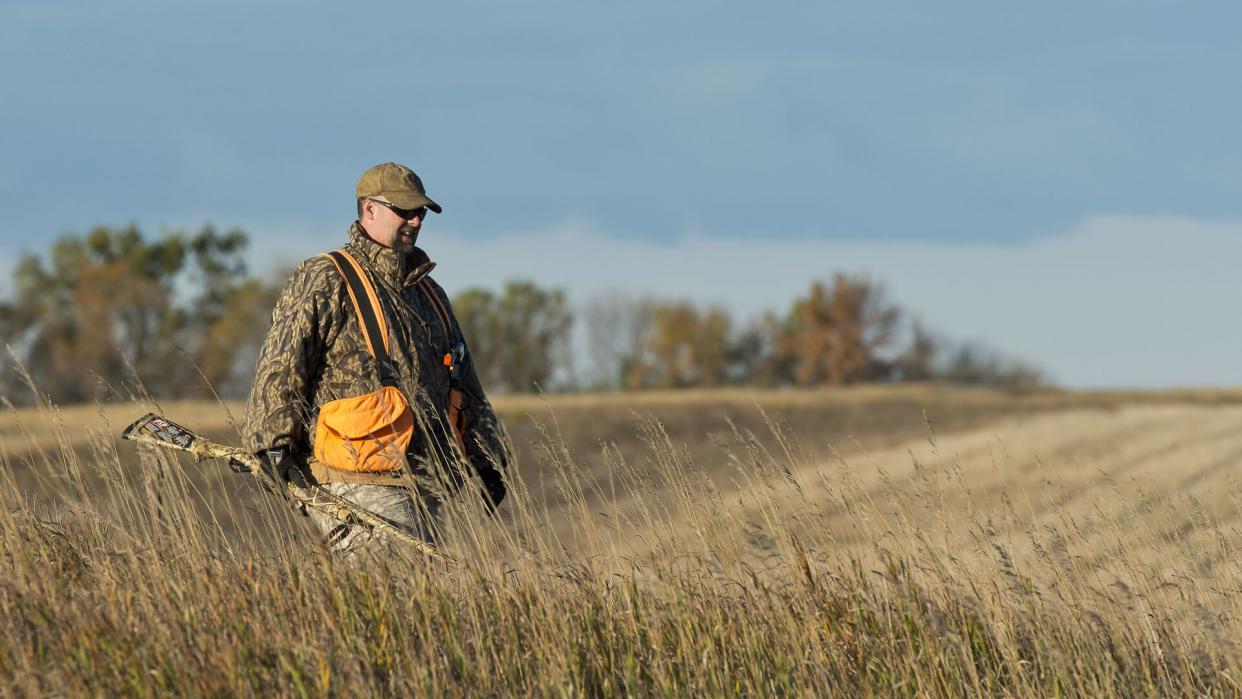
{"x": 161, "y": 432}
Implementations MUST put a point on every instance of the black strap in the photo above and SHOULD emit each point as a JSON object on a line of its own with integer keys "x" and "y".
{"x": 456, "y": 350}
{"x": 370, "y": 321}
{"x": 441, "y": 312}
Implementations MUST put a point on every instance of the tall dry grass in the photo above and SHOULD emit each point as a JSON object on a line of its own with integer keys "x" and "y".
{"x": 654, "y": 575}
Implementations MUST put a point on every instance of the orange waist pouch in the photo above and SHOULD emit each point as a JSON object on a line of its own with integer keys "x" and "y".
{"x": 368, "y": 433}
{"x": 365, "y": 434}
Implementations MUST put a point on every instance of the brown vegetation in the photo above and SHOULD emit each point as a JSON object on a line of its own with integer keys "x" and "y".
{"x": 101, "y": 309}
{"x": 838, "y": 333}
{"x": 1008, "y": 544}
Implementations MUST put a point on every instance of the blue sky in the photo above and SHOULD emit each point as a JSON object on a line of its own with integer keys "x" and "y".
{"x": 979, "y": 128}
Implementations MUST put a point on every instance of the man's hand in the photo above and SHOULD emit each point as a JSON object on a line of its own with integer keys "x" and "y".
{"x": 493, "y": 491}
{"x": 282, "y": 468}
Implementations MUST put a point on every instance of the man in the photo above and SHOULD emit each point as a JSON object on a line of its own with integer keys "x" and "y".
{"x": 320, "y": 368}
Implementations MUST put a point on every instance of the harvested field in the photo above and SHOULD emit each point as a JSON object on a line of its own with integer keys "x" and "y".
{"x": 896, "y": 540}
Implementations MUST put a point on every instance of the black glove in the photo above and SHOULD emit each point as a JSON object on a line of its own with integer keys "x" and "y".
{"x": 493, "y": 490}
{"x": 279, "y": 465}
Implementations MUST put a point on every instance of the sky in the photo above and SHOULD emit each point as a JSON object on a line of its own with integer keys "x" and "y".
{"x": 1059, "y": 180}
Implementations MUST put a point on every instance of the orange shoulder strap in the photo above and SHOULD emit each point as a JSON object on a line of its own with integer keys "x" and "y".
{"x": 367, "y": 307}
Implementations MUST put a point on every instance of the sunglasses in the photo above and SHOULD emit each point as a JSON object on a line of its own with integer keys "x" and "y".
{"x": 404, "y": 214}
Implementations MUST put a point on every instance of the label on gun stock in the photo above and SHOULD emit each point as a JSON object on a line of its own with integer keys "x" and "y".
{"x": 165, "y": 431}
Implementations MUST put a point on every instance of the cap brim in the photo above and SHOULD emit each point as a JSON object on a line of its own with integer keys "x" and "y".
{"x": 413, "y": 200}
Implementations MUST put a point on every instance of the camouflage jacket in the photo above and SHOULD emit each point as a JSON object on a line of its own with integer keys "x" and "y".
{"x": 315, "y": 352}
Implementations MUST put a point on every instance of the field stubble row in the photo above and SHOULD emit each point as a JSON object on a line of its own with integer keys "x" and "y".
{"x": 900, "y": 540}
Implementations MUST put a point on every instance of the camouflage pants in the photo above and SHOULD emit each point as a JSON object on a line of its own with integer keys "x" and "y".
{"x": 416, "y": 513}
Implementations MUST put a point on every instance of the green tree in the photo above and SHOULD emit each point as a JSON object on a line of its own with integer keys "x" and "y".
{"x": 228, "y": 345}
{"x": 918, "y": 362}
{"x": 476, "y": 313}
{"x": 975, "y": 363}
{"x": 519, "y": 338}
{"x": 229, "y": 314}
{"x": 683, "y": 346}
{"x": 758, "y": 354}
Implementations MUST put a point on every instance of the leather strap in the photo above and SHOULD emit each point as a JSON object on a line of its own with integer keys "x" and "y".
{"x": 324, "y": 473}
{"x": 438, "y": 307}
{"x": 456, "y": 411}
{"x": 370, "y": 315}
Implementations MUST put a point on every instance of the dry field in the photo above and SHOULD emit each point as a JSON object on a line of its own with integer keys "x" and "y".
{"x": 921, "y": 541}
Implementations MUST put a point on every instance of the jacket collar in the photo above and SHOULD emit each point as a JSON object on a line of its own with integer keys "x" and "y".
{"x": 401, "y": 268}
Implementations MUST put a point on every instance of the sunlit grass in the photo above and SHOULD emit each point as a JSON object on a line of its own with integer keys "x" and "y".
{"x": 758, "y": 567}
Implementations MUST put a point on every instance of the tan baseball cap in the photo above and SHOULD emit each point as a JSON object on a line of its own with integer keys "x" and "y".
{"x": 396, "y": 183}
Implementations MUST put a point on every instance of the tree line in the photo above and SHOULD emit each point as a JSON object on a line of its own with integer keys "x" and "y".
{"x": 843, "y": 330}
{"x": 112, "y": 314}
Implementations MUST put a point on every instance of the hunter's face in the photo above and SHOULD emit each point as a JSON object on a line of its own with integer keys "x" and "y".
{"x": 390, "y": 228}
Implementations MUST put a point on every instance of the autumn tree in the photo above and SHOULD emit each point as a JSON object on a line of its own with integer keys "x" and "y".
{"x": 113, "y": 313}
{"x": 838, "y": 333}
{"x": 97, "y": 302}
